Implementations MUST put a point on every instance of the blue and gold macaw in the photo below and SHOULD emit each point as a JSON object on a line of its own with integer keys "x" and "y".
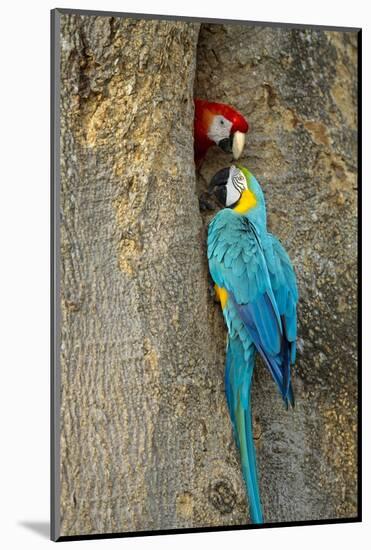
{"x": 256, "y": 285}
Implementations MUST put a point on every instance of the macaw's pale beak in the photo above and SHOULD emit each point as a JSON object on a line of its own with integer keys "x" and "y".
{"x": 238, "y": 144}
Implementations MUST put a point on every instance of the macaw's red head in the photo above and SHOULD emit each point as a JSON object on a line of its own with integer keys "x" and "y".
{"x": 218, "y": 124}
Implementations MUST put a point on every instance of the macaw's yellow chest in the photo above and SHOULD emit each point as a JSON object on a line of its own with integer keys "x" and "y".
{"x": 246, "y": 202}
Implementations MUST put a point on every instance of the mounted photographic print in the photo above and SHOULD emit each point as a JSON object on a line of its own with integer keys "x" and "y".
{"x": 205, "y": 276}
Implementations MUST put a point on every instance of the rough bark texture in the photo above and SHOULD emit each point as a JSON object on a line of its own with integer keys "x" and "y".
{"x": 298, "y": 89}
{"x": 146, "y": 441}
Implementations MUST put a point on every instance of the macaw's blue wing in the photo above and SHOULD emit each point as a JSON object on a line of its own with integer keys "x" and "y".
{"x": 237, "y": 262}
{"x": 284, "y": 287}
{"x": 283, "y": 281}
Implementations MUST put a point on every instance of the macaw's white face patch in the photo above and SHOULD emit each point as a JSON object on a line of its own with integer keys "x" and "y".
{"x": 236, "y": 184}
{"x": 220, "y": 128}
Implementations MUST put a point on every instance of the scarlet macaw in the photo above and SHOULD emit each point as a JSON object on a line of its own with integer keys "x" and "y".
{"x": 256, "y": 285}
{"x": 218, "y": 124}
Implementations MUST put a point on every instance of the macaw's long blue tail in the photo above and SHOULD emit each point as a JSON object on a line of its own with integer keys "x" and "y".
{"x": 238, "y": 375}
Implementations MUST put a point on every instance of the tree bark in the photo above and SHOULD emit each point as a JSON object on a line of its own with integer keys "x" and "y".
{"x": 146, "y": 441}
{"x": 298, "y": 89}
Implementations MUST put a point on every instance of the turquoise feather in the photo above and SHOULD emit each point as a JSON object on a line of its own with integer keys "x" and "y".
{"x": 260, "y": 313}
{"x": 239, "y": 368}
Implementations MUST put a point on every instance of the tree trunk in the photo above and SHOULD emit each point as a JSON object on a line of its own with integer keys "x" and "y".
{"x": 298, "y": 89}
{"x": 146, "y": 441}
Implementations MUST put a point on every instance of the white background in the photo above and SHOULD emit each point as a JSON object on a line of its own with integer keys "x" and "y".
{"x": 24, "y": 271}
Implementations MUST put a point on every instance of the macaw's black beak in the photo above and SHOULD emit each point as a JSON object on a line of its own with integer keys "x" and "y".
{"x": 226, "y": 144}
{"x": 218, "y": 185}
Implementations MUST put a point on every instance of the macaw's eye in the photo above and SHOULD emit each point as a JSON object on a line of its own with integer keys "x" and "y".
{"x": 222, "y": 122}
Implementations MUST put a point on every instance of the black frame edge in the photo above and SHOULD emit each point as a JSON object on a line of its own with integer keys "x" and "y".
{"x": 54, "y": 277}
{"x": 195, "y": 19}
{"x": 359, "y": 277}
{"x": 249, "y": 527}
